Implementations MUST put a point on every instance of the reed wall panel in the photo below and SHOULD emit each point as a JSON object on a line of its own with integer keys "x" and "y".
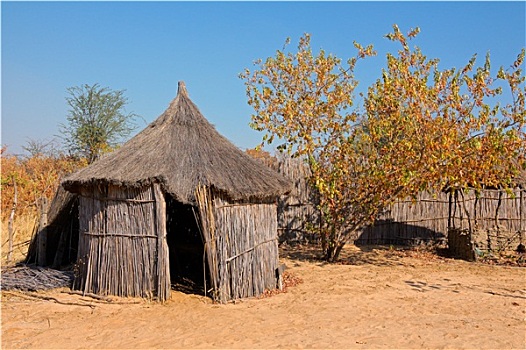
{"x": 495, "y": 219}
{"x": 121, "y": 241}
{"x": 241, "y": 245}
{"x": 490, "y": 210}
{"x": 408, "y": 222}
{"x": 247, "y": 241}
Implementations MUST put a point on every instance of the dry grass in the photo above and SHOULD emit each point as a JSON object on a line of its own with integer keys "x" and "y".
{"x": 24, "y": 228}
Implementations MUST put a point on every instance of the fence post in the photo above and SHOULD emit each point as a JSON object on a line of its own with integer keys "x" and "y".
{"x": 42, "y": 233}
{"x": 10, "y": 223}
{"x": 522, "y": 226}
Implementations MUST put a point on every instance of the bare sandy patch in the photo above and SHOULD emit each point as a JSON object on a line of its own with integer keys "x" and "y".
{"x": 374, "y": 299}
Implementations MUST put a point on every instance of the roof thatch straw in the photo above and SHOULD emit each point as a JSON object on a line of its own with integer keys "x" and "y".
{"x": 182, "y": 150}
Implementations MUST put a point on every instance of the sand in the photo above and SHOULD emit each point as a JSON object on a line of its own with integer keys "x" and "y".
{"x": 377, "y": 299}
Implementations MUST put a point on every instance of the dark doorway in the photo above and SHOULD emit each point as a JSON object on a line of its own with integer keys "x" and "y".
{"x": 186, "y": 248}
{"x": 62, "y": 235}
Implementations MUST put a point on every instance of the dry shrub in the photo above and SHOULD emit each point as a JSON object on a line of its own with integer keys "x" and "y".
{"x": 35, "y": 177}
{"x": 289, "y": 280}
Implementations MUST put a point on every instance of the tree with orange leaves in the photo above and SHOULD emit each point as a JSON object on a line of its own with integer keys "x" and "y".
{"x": 35, "y": 177}
{"x": 420, "y": 128}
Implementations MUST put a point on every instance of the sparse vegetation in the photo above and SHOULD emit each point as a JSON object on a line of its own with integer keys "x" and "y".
{"x": 34, "y": 177}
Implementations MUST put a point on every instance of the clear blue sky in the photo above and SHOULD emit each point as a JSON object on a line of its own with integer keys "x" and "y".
{"x": 147, "y": 47}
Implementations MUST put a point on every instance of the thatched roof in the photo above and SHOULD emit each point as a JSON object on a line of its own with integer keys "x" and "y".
{"x": 181, "y": 150}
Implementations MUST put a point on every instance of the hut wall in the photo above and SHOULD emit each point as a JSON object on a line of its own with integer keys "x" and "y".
{"x": 245, "y": 248}
{"x": 122, "y": 242}
{"x": 247, "y": 241}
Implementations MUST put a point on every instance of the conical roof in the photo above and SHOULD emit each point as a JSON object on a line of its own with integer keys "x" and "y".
{"x": 181, "y": 150}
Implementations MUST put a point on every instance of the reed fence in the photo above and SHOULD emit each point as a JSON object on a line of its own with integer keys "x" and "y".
{"x": 497, "y": 216}
{"x": 298, "y": 216}
{"x": 410, "y": 222}
{"x": 493, "y": 220}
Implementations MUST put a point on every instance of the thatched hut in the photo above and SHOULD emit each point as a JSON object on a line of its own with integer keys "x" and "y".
{"x": 176, "y": 192}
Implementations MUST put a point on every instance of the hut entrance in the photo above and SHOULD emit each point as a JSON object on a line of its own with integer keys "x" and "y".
{"x": 63, "y": 235}
{"x": 186, "y": 247}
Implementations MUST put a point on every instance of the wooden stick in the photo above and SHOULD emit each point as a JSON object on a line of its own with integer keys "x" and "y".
{"x": 107, "y": 234}
{"x": 249, "y": 249}
{"x": 11, "y": 222}
{"x": 42, "y": 233}
{"x": 44, "y": 297}
{"x": 100, "y": 297}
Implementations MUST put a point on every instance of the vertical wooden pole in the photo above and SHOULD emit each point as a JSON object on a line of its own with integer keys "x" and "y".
{"x": 522, "y": 225}
{"x": 10, "y": 224}
{"x": 206, "y": 221}
{"x": 163, "y": 261}
{"x": 42, "y": 233}
{"x": 85, "y": 205}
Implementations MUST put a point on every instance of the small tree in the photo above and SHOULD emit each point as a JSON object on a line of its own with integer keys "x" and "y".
{"x": 97, "y": 121}
{"x": 421, "y": 128}
{"x": 38, "y": 148}
{"x": 306, "y": 101}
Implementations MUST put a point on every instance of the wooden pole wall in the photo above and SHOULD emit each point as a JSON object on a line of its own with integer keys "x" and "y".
{"x": 247, "y": 246}
{"x": 122, "y": 242}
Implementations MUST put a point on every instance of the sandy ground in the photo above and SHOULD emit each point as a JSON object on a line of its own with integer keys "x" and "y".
{"x": 378, "y": 299}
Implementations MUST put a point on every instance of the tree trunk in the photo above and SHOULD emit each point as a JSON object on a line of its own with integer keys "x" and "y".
{"x": 324, "y": 242}
{"x": 332, "y": 253}
{"x": 333, "y": 243}
{"x": 329, "y": 253}
{"x": 338, "y": 250}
